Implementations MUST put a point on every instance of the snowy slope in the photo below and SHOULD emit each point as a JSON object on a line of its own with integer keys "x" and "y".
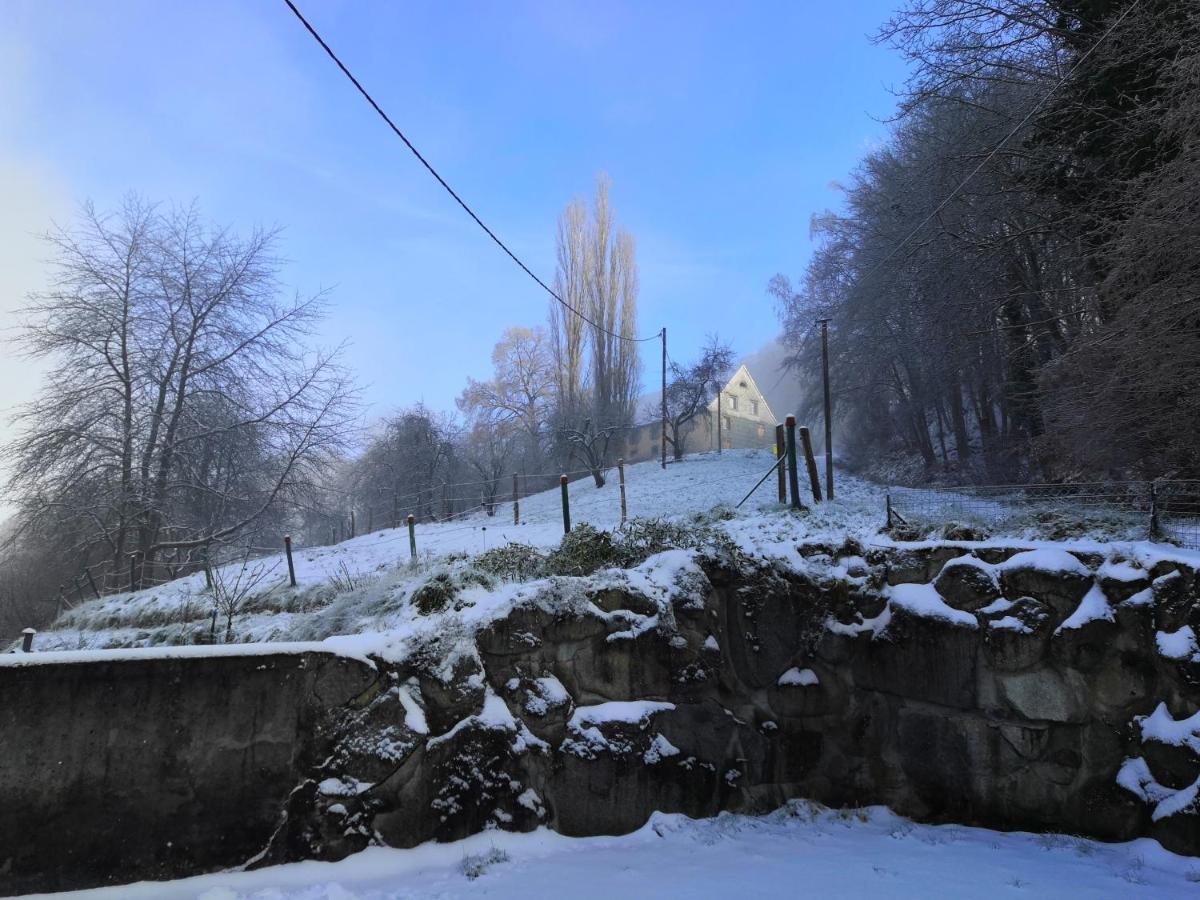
{"x": 697, "y": 484}
{"x": 802, "y": 850}
{"x": 355, "y": 586}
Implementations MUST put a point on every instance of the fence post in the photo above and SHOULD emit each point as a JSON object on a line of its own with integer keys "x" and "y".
{"x": 412, "y": 539}
{"x": 516, "y": 502}
{"x": 780, "y": 452}
{"x": 793, "y": 476}
{"x": 370, "y": 520}
{"x": 888, "y": 501}
{"x": 287, "y": 548}
{"x": 566, "y": 504}
{"x": 1153, "y": 510}
{"x": 27, "y": 640}
{"x": 810, "y": 462}
{"x": 621, "y": 478}
{"x": 353, "y": 525}
{"x": 132, "y": 571}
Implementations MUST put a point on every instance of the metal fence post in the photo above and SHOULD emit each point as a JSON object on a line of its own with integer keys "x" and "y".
{"x": 287, "y": 548}
{"x": 566, "y": 504}
{"x": 412, "y": 539}
{"x": 793, "y": 477}
{"x": 780, "y": 452}
{"x": 621, "y": 478}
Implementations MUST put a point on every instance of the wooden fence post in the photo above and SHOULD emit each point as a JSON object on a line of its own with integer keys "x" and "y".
{"x": 92, "y": 582}
{"x": 780, "y": 452}
{"x": 370, "y": 520}
{"x": 888, "y": 499}
{"x": 810, "y": 462}
{"x": 621, "y": 476}
{"x": 287, "y": 548}
{"x": 793, "y": 477}
{"x": 1153, "y": 510}
{"x": 27, "y": 640}
{"x": 412, "y": 539}
{"x": 566, "y": 504}
{"x": 353, "y": 526}
{"x": 516, "y": 502}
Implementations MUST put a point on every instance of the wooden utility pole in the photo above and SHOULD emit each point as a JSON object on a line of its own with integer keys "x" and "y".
{"x": 828, "y": 410}
{"x": 664, "y": 397}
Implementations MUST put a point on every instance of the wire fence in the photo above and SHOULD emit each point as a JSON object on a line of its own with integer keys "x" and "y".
{"x": 1155, "y": 510}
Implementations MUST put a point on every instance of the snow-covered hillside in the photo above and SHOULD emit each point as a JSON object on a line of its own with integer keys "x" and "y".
{"x": 172, "y": 613}
{"x": 800, "y": 850}
{"x": 360, "y": 586}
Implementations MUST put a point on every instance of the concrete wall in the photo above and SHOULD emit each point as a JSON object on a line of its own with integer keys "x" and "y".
{"x": 144, "y": 767}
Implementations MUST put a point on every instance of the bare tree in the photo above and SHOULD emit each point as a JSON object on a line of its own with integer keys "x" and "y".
{"x": 690, "y": 390}
{"x": 234, "y": 583}
{"x": 597, "y": 274}
{"x": 182, "y": 407}
{"x": 521, "y": 390}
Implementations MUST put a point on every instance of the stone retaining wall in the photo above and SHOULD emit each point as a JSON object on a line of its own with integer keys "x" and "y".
{"x": 955, "y": 684}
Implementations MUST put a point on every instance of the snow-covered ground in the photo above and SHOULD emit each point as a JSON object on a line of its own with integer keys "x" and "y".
{"x": 802, "y": 850}
{"x": 357, "y": 598}
{"x": 358, "y": 586}
{"x": 698, "y": 484}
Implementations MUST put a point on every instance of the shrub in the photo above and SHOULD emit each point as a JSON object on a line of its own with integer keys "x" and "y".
{"x": 584, "y": 550}
{"x": 475, "y": 865}
{"x": 519, "y": 562}
{"x": 643, "y": 538}
{"x": 436, "y": 593}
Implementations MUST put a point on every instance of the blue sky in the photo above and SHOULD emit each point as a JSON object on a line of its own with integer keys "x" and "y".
{"x": 722, "y": 125}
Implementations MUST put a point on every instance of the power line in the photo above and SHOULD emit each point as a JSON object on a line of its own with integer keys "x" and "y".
{"x": 432, "y": 171}
{"x": 1032, "y": 112}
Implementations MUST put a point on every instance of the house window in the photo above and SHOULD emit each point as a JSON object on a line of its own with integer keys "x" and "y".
{"x": 732, "y": 402}
{"x": 762, "y": 431}
{"x": 754, "y": 409}
{"x": 728, "y": 424}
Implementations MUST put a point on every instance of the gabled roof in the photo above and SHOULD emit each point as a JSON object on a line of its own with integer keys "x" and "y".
{"x": 743, "y": 374}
